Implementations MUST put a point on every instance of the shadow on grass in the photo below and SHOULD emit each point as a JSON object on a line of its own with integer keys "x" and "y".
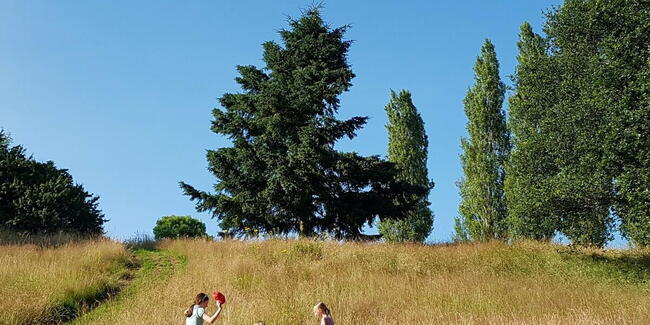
{"x": 154, "y": 266}
{"x": 632, "y": 267}
{"x": 79, "y": 303}
{"x": 76, "y": 304}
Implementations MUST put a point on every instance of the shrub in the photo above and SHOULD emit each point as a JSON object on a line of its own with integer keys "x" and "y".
{"x": 179, "y": 226}
{"x": 39, "y": 198}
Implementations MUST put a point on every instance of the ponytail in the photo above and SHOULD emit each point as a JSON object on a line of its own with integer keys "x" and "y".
{"x": 189, "y": 311}
{"x": 200, "y": 298}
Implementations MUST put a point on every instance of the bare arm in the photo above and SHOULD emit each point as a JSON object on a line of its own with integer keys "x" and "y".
{"x": 211, "y": 320}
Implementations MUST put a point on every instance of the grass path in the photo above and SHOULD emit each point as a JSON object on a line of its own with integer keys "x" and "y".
{"x": 156, "y": 266}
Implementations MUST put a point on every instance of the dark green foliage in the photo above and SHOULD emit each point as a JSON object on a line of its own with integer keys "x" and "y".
{"x": 179, "y": 226}
{"x": 408, "y": 149}
{"x": 483, "y": 207}
{"x": 39, "y": 198}
{"x": 282, "y": 174}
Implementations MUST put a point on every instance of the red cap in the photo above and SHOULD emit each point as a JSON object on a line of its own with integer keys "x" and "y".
{"x": 218, "y": 296}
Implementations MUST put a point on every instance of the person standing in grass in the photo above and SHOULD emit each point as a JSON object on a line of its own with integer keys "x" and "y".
{"x": 195, "y": 314}
{"x": 323, "y": 314}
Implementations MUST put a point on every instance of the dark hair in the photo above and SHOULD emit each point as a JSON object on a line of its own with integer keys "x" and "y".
{"x": 200, "y": 298}
{"x": 323, "y": 308}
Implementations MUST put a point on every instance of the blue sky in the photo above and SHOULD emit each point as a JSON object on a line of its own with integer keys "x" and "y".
{"x": 121, "y": 92}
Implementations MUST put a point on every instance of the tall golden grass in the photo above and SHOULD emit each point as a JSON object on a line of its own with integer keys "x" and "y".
{"x": 493, "y": 283}
{"x": 44, "y": 284}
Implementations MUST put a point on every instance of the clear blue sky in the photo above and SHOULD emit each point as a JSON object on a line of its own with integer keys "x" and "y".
{"x": 120, "y": 92}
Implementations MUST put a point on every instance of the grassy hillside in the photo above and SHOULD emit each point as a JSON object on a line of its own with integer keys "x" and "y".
{"x": 50, "y": 284}
{"x": 279, "y": 281}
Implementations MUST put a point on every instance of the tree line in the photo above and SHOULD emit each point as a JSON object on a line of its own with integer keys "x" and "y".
{"x": 571, "y": 156}
{"x": 574, "y": 155}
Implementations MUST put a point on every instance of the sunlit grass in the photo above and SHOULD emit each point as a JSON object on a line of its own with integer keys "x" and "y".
{"x": 155, "y": 268}
{"x": 279, "y": 281}
{"x": 45, "y": 284}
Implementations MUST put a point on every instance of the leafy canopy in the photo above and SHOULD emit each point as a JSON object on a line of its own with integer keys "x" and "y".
{"x": 179, "y": 226}
{"x": 579, "y": 117}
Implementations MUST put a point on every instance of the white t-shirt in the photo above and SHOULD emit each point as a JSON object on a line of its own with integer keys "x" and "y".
{"x": 197, "y": 316}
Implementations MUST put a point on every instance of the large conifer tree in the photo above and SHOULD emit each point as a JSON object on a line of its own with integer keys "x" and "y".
{"x": 483, "y": 207}
{"x": 408, "y": 149}
{"x": 282, "y": 174}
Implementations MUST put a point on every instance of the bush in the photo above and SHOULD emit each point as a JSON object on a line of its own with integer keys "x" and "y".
{"x": 39, "y": 198}
{"x": 179, "y": 226}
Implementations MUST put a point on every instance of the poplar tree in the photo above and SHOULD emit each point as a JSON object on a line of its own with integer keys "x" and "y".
{"x": 485, "y": 151}
{"x": 531, "y": 165}
{"x": 282, "y": 174}
{"x": 408, "y": 149}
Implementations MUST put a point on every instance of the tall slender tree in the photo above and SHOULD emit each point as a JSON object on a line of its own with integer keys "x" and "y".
{"x": 530, "y": 167}
{"x": 408, "y": 149}
{"x": 483, "y": 207}
{"x": 282, "y": 174}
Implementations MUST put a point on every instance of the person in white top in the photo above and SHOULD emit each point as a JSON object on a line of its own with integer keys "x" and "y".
{"x": 195, "y": 314}
{"x": 323, "y": 314}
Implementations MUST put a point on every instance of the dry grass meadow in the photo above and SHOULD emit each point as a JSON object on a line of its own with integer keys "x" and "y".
{"x": 47, "y": 284}
{"x": 278, "y": 281}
